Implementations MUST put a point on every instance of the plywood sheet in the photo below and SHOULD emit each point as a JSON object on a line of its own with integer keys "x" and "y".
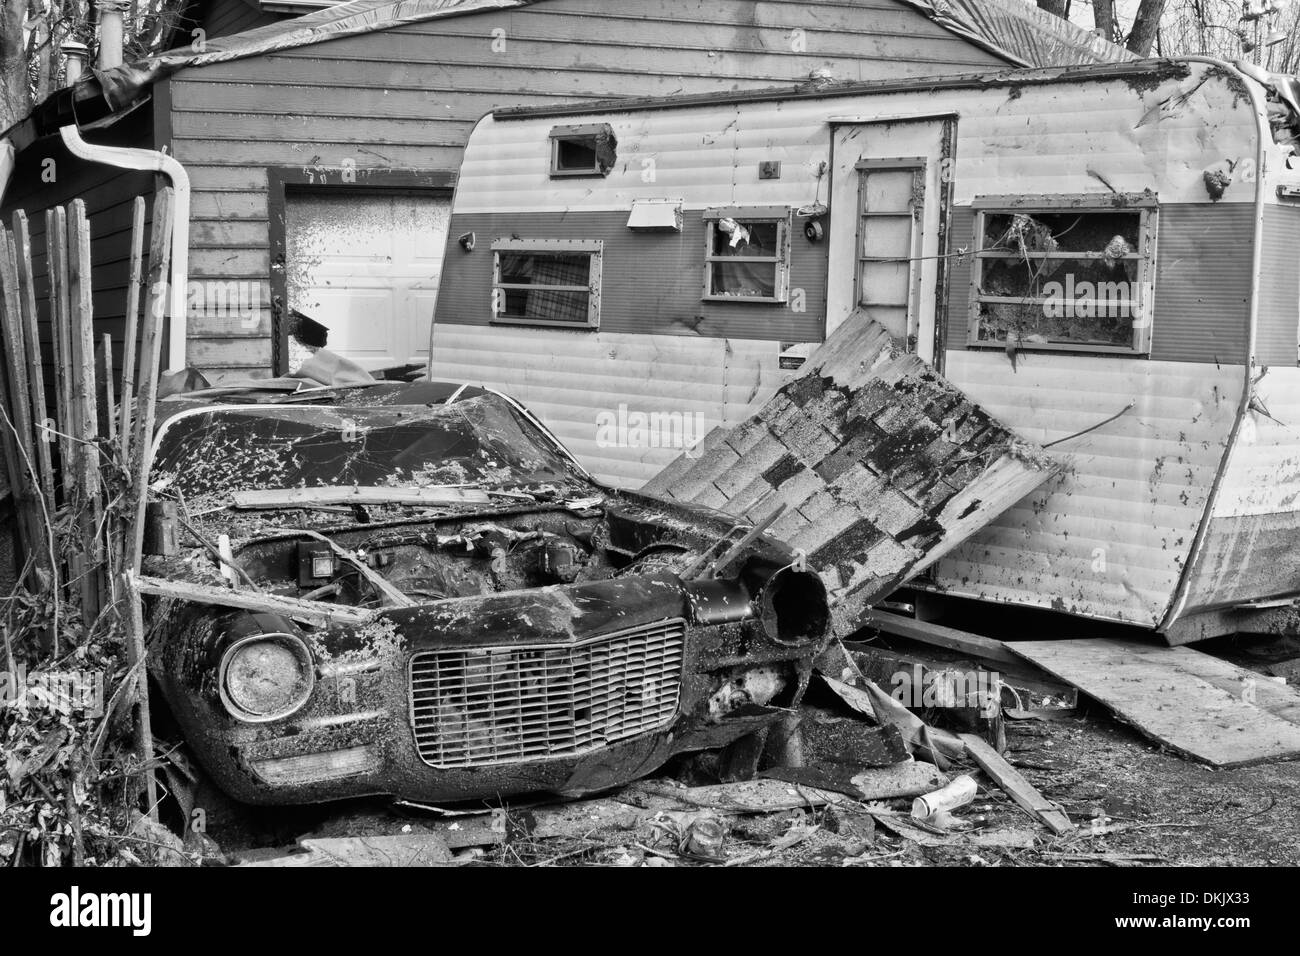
{"x": 1194, "y": 704}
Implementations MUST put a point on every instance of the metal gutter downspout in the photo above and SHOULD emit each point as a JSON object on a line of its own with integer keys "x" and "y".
{"x": 149, "y": 160}
{"x": 1265, "y": 138}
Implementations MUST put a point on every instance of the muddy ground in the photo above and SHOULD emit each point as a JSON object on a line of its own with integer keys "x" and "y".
{"x": 1153, "y": 808}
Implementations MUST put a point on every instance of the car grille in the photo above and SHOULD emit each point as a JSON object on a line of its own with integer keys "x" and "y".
{"x": 480, "y": 707}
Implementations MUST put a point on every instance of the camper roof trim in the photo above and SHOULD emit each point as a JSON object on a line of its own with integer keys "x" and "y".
{"x": 1176, "y": 68}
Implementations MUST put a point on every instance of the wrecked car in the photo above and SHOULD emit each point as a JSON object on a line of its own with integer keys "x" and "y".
{"x": 415, "y": 590}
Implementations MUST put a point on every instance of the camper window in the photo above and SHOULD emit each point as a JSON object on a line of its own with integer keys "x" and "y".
{"x": 582, "y": 150}
{"x": 547, "y": 282}
{"x": 747, "y": 254}
{"x": 1066, "y": 274}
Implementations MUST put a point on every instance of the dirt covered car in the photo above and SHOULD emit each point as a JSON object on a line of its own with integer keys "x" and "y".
{"x": 415, "y": 590}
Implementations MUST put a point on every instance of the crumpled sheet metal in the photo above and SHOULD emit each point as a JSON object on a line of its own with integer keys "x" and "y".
{"x": 1022, "y": 32}
{"x": 347, "y": 19}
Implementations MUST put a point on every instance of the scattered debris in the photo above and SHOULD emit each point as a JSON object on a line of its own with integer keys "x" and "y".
{"x": 415, "y": 849}
{"x": 1016, "y": 786}
{"x": 928, "y": 743}
{"x": 904, "y": 779}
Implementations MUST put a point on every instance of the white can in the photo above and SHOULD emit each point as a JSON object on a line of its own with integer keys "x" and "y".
{"x": 958, "y": 793}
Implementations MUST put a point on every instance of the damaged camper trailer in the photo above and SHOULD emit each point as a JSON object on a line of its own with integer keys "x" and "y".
{"x": 1102, "y": 257}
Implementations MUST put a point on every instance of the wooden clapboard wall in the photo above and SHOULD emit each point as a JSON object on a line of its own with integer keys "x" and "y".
{"x": 407, "y": 98}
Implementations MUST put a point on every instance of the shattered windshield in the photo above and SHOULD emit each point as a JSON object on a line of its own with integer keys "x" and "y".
{"x": 481, "y": 442}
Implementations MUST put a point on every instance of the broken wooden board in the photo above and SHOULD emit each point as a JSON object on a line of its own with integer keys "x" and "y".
{"x": 1194, "y": 704}
{"x": 1007, "y": 838}
{"x": 904, "y": 779}
{"x": 403, "y": 850}
{"x": 1015, "y": 786}
{"x": 772, "y": 796}
{"x": 927, "y": 632}
{"x": 882, "y": 465}
{"x": 312, "y": 612}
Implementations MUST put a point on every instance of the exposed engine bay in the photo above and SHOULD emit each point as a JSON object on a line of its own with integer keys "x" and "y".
{"x": 448, "y": 559}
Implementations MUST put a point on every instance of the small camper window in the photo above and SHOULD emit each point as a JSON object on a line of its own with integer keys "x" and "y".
{"x": 747, "y": 254}
{"x": 547, "y": 282}
{"x": 582, "y": 150}
{"x": 1063, "y": 275}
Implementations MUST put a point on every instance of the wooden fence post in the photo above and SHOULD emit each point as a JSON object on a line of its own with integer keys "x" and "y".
{"x": 56, "y": 246}
{"x": 82, "y": 350}
{"x": 35, "y": 361}
{"x": 132, "y": 329}
{"x": 25, "y": 480}
{"x": 155, "y": 306}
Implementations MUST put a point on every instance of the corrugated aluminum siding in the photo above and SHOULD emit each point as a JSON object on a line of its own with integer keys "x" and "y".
{"x": 651, "y": 282}
{"x": 1252, "y": 548}
{"x": 1202, "y": 286}
{"x": 1109, "y": 537}
{"x": 1279, "y": 291}
{"x": 571, "y": 378}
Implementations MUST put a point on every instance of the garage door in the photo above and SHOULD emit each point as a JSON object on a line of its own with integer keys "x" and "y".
{"x": 366, "y": 267}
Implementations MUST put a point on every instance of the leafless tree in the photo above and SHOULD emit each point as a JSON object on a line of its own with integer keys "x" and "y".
{"x": 1208, "y": 27}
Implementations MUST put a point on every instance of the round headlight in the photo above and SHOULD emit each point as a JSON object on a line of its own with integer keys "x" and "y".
{"x": 266, "y": 677}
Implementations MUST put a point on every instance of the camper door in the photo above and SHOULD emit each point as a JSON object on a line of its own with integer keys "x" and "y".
{"x": 890, "y": 197}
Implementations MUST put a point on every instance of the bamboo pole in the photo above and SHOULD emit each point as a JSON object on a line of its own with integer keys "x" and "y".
{"x": 44, "y": 436}
{"x": 56, "y": 262}
{"x": 110, "y": 400}
{"x": 142, "y": 729}
{"x": 160, "y": 244}
{"x": 14, "y": 468}
{"x": 132, "y": 326}
{"x": 22, "y": 476}
{"x": 82, "y": 350}
{"x": 150, "y": 359}
{"x": 56, "y": 243}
